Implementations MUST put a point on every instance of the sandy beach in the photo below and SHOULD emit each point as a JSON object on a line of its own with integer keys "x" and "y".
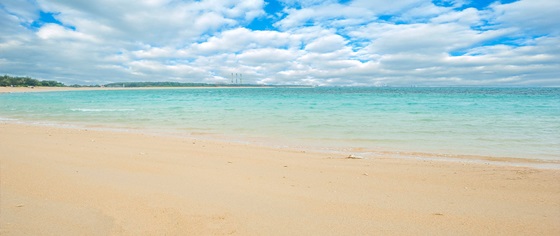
{"x": 64, "y": 181}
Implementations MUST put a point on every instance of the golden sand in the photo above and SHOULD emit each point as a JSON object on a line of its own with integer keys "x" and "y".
{"x": 62, "y": 181}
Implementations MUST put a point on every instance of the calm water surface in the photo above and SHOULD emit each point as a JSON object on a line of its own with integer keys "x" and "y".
{"x": 497, "y": 122}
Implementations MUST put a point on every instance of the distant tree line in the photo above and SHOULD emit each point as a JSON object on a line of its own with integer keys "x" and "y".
{"x": 179, "y": 84}
{"x": 6, "y": 80}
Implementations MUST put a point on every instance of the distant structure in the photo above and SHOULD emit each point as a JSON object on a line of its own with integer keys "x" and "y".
{"x": 238, "y": 78}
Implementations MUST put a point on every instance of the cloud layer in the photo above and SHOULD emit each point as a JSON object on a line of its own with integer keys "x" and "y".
{"x": 337, "y": 43}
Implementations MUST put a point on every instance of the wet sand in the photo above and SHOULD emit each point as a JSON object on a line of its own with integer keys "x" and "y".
{"x": 76, "y": 181}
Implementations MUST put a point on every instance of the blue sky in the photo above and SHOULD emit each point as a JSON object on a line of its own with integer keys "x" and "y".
{"x": 315, "y": 42}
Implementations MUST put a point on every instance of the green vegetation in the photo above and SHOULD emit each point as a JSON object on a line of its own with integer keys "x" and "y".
{"x": 26, "y": 81}
{"x": 7, "y": 81}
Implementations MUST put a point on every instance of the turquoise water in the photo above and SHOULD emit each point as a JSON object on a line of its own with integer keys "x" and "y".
{"x": 495, "y": 122}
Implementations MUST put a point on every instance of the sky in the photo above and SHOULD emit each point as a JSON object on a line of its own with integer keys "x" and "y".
{"x": 288, "y": 42}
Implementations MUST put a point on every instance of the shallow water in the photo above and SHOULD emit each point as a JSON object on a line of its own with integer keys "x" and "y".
{"x": 496, "y": 122}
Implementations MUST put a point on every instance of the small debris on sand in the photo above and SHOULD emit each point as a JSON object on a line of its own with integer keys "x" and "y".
{"x": 351, "y": 156}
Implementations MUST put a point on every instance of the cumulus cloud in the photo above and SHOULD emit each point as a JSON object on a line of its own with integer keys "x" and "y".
{"x": 387, "y": 6}
{"x": 342, "y": 43}
{"x": 326, "y": 44}
{"x": 532, "y": 17}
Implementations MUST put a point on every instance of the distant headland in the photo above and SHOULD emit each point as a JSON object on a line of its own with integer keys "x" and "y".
{"x": 11, "y": 81}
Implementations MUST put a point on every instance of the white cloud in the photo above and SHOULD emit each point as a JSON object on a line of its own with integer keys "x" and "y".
{"x": 211, "y": 21}
{"x": 57, "y": 32}
{"x": 326, "y": 44}
{"x": 266, "y": 56}
{"x": 387, "y": 6}
{"x": 154, "y": 52}
{"x": 530, "y": 16}
{"x": 25, "y": 11}
{"x": 468, "y": 16}
{"x": 411, "y": 42}
{"x": 306, "y": 3}
{"x": 422, "y": 13}
{"x": 325, "y": 15}
{"x": 240, "y": 39}
{"x": 421, "y": 38}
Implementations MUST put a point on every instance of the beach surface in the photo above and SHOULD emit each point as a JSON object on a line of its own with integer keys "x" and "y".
{"x": 77, "y": 181}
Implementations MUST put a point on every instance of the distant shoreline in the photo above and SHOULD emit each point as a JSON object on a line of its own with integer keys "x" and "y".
{"x": 57, "y": 89}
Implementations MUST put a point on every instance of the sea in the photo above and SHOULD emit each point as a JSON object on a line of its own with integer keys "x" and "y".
{"x": 442, "y": 122}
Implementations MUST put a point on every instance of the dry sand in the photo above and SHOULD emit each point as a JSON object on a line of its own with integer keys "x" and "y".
{"x": 62, "y": 181}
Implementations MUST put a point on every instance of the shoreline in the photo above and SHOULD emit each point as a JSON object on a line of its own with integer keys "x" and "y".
{"x": 84, "y": 181}
{"x": 341, "y": 151}
{"x": 62, "y": 89}
{"x": 521, "y": 161}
